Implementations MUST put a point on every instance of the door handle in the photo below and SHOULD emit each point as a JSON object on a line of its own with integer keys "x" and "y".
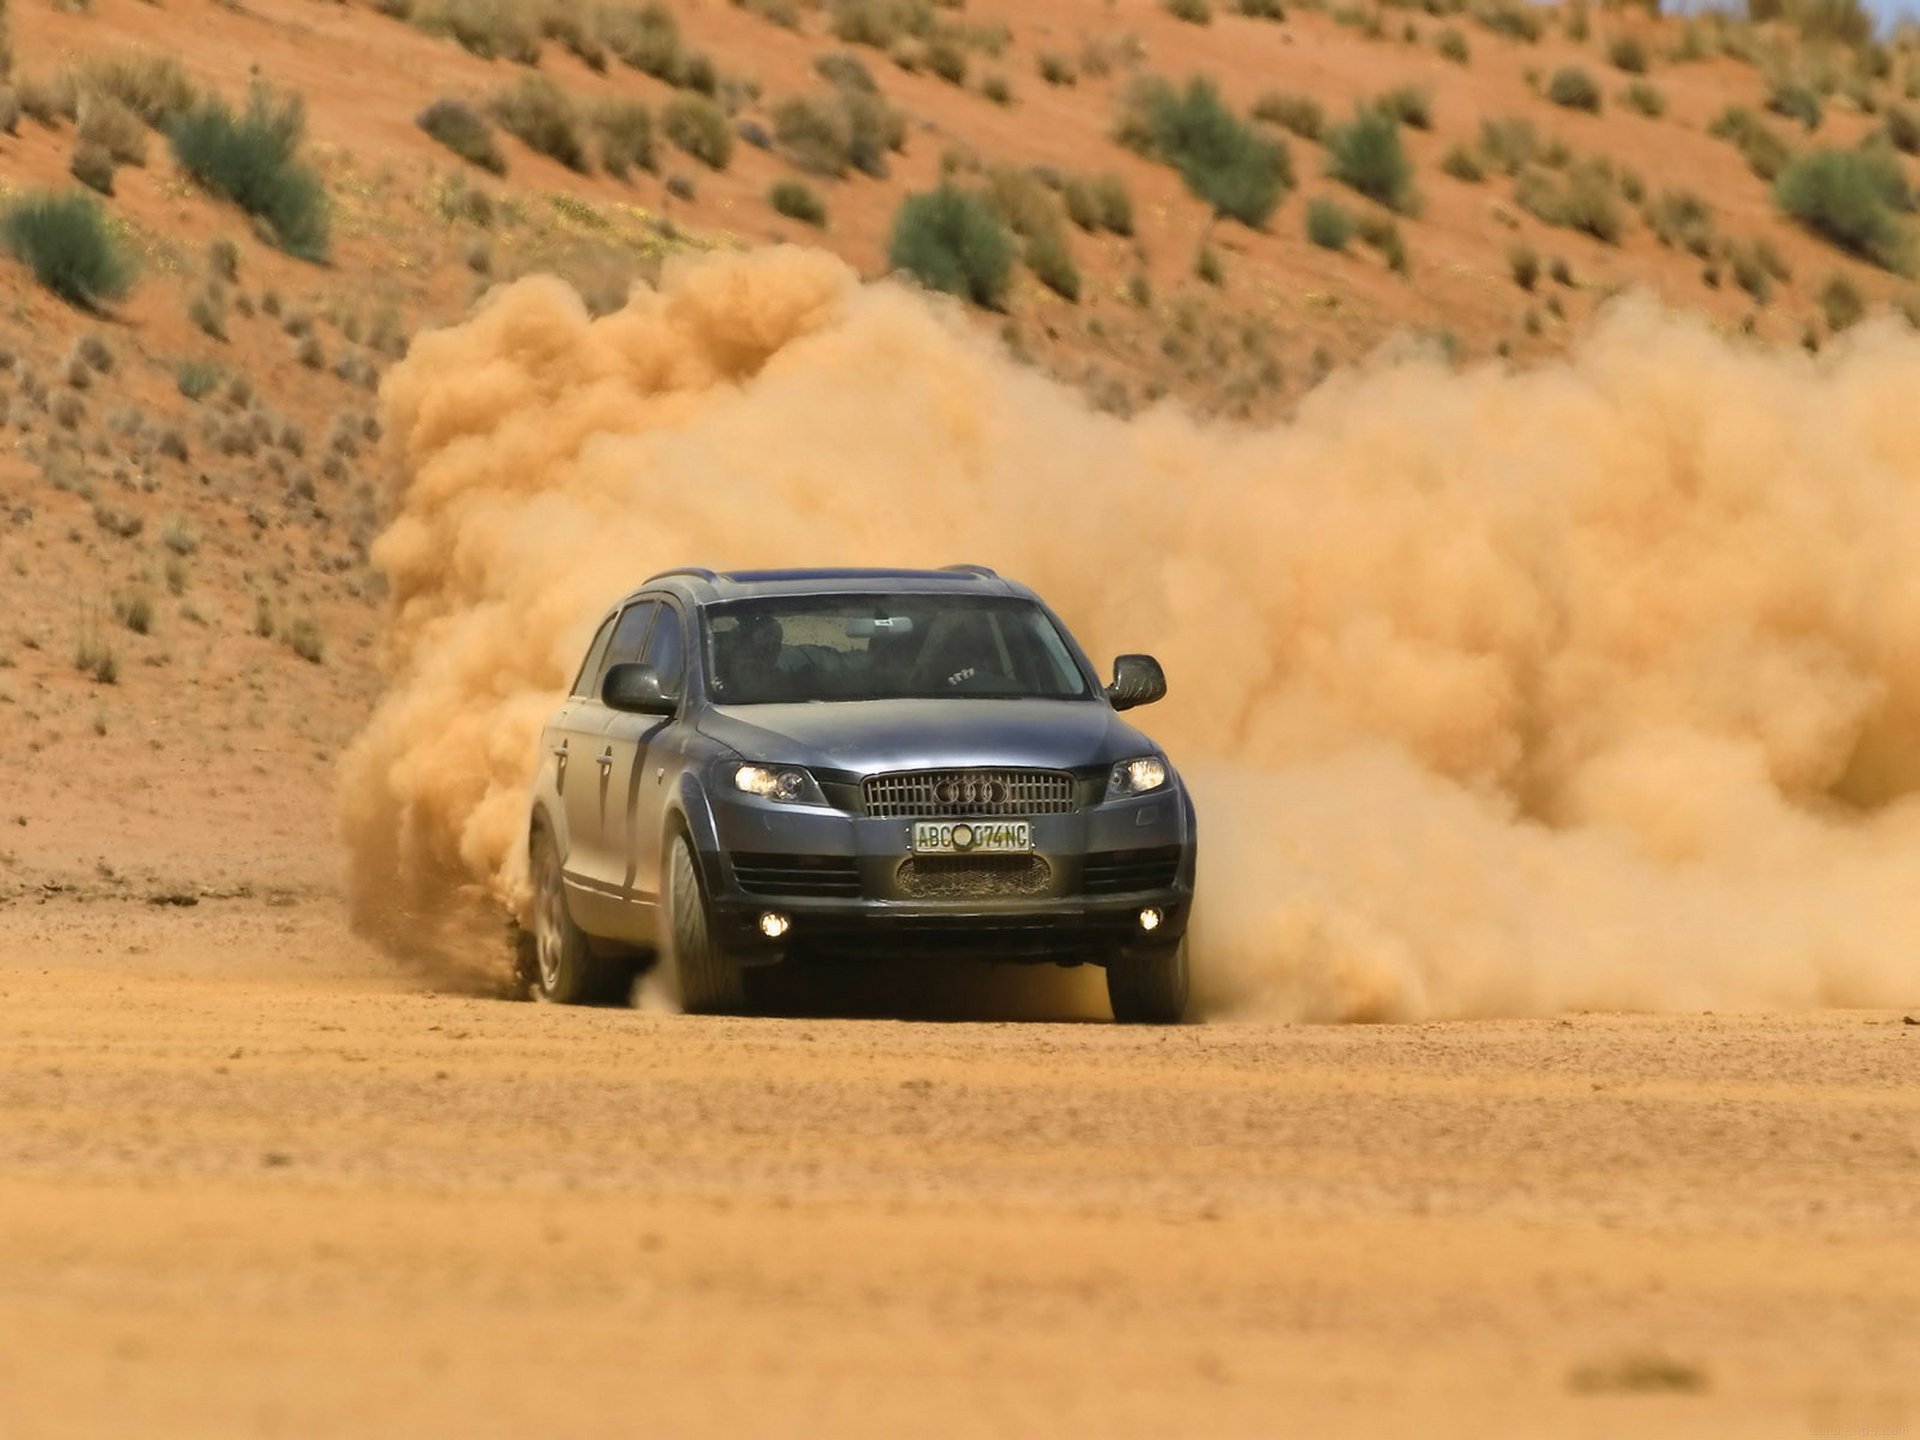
{"x": 605, "y": 762}
{"x": 561, "y": 750}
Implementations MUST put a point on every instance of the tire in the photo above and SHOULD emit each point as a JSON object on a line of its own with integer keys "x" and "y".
{"x": 1149, "y": 991}
{"x": 564, "y": 969}
{"x": 706, "y": 979}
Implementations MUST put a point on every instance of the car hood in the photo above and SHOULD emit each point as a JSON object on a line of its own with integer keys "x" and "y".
{"x": 867, "y": 737}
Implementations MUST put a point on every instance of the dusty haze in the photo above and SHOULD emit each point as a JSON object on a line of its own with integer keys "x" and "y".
{"x": 1596, "y": 685}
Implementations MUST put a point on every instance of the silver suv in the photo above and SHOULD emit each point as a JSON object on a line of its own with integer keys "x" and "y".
{"x": 764, "y": 766}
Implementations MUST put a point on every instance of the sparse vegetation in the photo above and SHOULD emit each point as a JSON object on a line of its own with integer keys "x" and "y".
{"x": 1099, "y": 203}
{"x": 1462, "y": 164}
{"x": 953, "y": 242}
{"x": 66, "y": 241}
{"x": 303, "y": 637}
{"x": 251, "y": 159}
{"x": 1194, "y": 12}
{"x": 1410, "y": 105}
{"x": 1764, "y": 151}
{"x": 1585, "y": 200}
{"x": 1628, "y": 53}
{"x": 1639, "y": 1372}
{"x": 1795, "y": 101}
{"x": 1574, "y": 89}
{"x": 1366, "y": 155}
{"x": 93, "y": 167}
{"x": 1300, "y": 114}
{"x": 624, "y": 129}
{"x": 1451, "y": 43}
{"x": 1222, "y": 159}
{"x": 463, "y": 130}
{"x": 541, "y": 116}
{"x": 1681, "y": 219}
{"x": 1330, "y": 224}
{"x": 798, "y": 201}
{"x": 699, "y": 127}
{"x": 1644, "y": 99}
{"x": 1524, "y": 263}
{"x": 1852, "y": 198}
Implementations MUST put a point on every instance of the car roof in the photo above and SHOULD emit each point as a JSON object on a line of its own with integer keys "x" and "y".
{"x": 705, "y": 587}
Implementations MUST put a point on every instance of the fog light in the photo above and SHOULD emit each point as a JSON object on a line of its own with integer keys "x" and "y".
{"x": 773, "y": 924}
{"x": 1150, "y": 919}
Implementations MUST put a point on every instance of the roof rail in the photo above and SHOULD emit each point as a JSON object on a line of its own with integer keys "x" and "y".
{"x": 699, "y": 572}
{"x": 981, "y": 570}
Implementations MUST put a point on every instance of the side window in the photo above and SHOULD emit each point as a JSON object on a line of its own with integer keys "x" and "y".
{"x": 666, "y": 651}
{"x": 590, "y": 668}
{"x": 630, "y": 634}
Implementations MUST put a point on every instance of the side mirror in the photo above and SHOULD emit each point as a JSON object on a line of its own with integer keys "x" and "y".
{"x": 637, "y": 690}
{"x": 1137, "y": 680}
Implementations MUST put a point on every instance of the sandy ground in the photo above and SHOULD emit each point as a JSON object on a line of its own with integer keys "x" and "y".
{"x": 253, "y": 1181}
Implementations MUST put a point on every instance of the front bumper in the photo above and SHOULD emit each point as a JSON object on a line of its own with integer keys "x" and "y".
{"x": 848, "y": 884}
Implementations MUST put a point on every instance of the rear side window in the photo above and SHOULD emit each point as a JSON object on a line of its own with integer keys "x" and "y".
{"x": 590, "y": 669}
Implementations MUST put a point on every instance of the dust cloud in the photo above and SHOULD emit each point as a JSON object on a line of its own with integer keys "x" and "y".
{"x": 1594, "y": 685}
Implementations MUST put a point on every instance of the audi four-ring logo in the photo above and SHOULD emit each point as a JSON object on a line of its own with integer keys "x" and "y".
{"x": 970, "y": 792}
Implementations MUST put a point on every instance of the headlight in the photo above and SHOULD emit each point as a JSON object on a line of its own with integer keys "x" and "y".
{"x": 786, "y": 783}
{"x": 1136, "y": 777}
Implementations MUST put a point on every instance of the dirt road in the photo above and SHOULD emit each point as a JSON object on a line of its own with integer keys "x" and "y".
{"x": 254, "y": 1182}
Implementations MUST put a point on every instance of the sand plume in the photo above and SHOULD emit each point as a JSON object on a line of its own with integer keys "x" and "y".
{"x": 1591, "y": 685}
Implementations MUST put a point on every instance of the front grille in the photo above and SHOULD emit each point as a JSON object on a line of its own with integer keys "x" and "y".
{"x": 771, "y": 874}
{"x": 959, "y": 793}
{"x": 1119, "y": 872}
{"x": 973, "y": 877}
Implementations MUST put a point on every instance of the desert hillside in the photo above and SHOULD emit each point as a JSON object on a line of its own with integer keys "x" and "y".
{"x": 1215, "y": 203}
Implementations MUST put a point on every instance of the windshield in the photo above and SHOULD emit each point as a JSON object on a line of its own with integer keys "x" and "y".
{"x": 886, "y": 647}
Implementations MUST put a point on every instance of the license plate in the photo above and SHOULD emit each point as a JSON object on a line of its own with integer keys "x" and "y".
{"x": 972, "y": 837}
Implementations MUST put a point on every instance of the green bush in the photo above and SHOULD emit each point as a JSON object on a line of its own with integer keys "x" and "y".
{"x": 1194, "y": 12}
{"x": 250, "y": 159}
{"x": 1795, "y": 101}
{"x": 1841, "y": 303}
{"x": 1100, "y": 203}
{"x": 154, "y": 87}
{"x": 1509, "y": 144}
{"x": 1462, "y": 164}
{"x": 646, "y": 39}
{"x": 541, "y": 116}
{"x": 67, "y": 244}
{"x": 491, "y": 29}
{"x": 1365, "y": 155}
{"x": 1628, "y": 53}
{"x": 1903, "y": 129}
{"x": 1222, "y": 159}
{"x": 699, "y": 127}
{"x": 1852, "y": 198}
{"x": 1330, "y": 224}
{"x": 844, "y": 70}
{"x": 1451, "y": 42}
{"x": 1050, "y": 260}
{"x": 1524, "y": 261}
{"x": 103, "y": 121}
{"x": 1207, "y": 268}
{"x": 1682, "y": 220}
{"x": 1644, "y": 99}
{"x": 460, "y": 128}
{"x": 798, "y": 201}
{"x": 1574, "y": 88}
{"x": 1057, "y": 69}
{"x": 814, "y": 132}
{"x": 953, "y": 242}
{"x": 1410, "y": 105}
{"x": 1300, "y": 114}
{"x": 92, "y": 165}
{"x": 1586, "y": 201}
{"x": 625, "y": 131}
{"x": 1764, "y": 151}
{"x": 946, "y": 58}
{"x": 880, "y": 23}
{"x": 1516, "y": 19}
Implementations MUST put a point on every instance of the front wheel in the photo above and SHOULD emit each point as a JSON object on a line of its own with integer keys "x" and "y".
{"x": 1151, "y": 990}
{"x": 707, "y": 978}
{"x": 565, "y": 970}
